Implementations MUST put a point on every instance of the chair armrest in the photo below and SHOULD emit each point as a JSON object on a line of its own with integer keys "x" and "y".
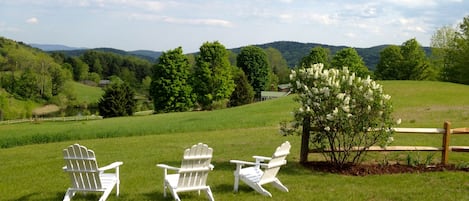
{"x": 164, "y": 166}
{"x": 211, "y": 166}
{"x": 262, "y": 158}
{"x": 111, "y": 166}
{"x": 238, "y": 162}
{"x": 64, "y": 168}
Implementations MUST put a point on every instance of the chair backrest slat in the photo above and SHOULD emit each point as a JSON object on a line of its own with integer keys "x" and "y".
{"x": 82, "y": 167}
{"x": 278, "y": 160}
{"x": 195, "y": 166}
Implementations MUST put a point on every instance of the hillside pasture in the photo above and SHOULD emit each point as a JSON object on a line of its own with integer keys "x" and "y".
{"x": 31, "y": 170}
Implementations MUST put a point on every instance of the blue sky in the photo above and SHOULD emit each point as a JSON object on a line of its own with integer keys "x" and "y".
{"x": 163, "y": 25}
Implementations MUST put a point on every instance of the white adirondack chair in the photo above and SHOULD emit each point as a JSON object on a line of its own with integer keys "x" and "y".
{"x": 261, "y": 173}
{"x": 192, "y": 175}
{"x": 85, "y": 175}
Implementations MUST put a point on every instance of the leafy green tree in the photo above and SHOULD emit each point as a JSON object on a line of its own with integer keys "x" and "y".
{"x": 169, "y": 89}
{"x": 317, "y": 55}
{"x": 27, "y": 87}
{"x": 441, "y": 43}
{"x": 389, "y": 63}
{"x": 212, "y": 80}
{"x": 79, "y": 68}
{"x": 458, "y": 67}
{"x": 59, "y": 76}
{"x": 243, "y": 93}
{"x": 414, "y": 65}
{"x": 118, "y": 100}
{"x": 278, "y": 64}
{"x": 348, "y": 57}
{"x": 253, "y": 61}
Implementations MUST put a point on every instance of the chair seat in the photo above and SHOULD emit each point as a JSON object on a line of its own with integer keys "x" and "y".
{"x": 252, "y": 174}
{"x": 255, "y": 177}
{"x": 172, "y": 180}
{"x": 192, "y": 174}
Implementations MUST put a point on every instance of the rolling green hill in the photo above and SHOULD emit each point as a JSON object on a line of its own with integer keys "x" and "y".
{"x": 418, "y": 104}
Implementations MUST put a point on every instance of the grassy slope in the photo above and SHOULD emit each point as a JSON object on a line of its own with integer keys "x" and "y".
{"x": 87, "y": 94}
{"x": 33, "y": 172}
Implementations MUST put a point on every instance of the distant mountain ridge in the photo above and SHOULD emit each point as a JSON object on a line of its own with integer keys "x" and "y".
{"x": 292, "y": 51}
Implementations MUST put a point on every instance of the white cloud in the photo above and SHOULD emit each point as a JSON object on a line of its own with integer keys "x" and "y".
{"x": 173, "y": 20}
{"x": 32, "y": 20}
{"x": 414, "y": 3}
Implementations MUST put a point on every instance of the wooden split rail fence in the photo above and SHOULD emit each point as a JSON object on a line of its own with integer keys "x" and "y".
{"x": 446, "y": 132}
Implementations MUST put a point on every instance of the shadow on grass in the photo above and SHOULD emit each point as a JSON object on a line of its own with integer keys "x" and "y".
{"x": 26, "y": 197}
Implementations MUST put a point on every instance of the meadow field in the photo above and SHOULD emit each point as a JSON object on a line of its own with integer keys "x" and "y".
{"x": 31, "y": 153}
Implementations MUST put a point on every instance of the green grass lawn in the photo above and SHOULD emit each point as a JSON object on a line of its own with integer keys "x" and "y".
{"x": 32, "y": 171}
{"x": 87, "y": 94}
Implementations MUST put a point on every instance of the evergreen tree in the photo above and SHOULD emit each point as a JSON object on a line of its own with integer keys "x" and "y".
{"x": 169, "y": 88}
{"x": 118, "y": 100}
{"x": 243, "y": 93}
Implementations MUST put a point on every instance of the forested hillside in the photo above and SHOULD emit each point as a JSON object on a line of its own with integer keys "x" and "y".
{"x": 291, "y": 51}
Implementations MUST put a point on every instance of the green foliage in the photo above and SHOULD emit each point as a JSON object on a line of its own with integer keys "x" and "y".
{"x": 212, "y": 78}
{"x": 348, "y": 57}
{"x": 278, "y": 64}
{"x": 28, "y": 73}
{"x": 118, "y": 100}
{"x": 407, "y": 62}
{"x": 414, "y": 65}
{"x": 317, "y": 55}
{"x": 243, "y": 93}
{"x": 457, "y": 68}
{"x": 389, "y": 63}
{"x": 253, "y": 61}
{"x": 441, "y": 42}
{"x": 342, "y": 110}
{"x": 170, "y": 89}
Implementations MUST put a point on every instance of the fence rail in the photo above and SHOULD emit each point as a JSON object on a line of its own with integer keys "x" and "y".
{"x": 41, "y": 119}
{"x": 446, "y": 133}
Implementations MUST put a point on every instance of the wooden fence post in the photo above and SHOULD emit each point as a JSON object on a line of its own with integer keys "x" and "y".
{"x": 305, "y": 140}
{"x": 446, "y": 140}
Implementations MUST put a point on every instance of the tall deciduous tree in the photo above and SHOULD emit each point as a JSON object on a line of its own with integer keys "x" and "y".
{"x": 253, "y": 61}
{"x": 388, "y": 67}
{"x": 212, "y": 81}
{"x": 278, "y": 64}
{"x": 170, "y": 89}
{"x": 348, "y": 57}
{"x": 458, "y": 68}
{"x": 441, "y": 43}
{"x": 317, "y": 55}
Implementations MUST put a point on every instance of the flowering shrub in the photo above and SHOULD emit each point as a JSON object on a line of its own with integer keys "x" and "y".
{"x": 344, "y": 111}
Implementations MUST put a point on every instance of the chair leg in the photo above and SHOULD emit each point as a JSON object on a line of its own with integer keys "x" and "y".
{"x": 68, "y": 195}
{"x": 236, "y": 181}
{"x": 209, "y": 194}
{"x": 280, "y": 186}
{"x": 105, "y": 194}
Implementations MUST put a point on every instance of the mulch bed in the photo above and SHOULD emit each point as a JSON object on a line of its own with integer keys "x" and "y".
{"x": 377, "y": 169}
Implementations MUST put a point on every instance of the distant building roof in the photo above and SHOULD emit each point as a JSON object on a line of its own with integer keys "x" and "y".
{"x": 266, "y": 95}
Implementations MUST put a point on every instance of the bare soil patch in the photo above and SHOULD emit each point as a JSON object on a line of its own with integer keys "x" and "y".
{"x": 377, "y": 169}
